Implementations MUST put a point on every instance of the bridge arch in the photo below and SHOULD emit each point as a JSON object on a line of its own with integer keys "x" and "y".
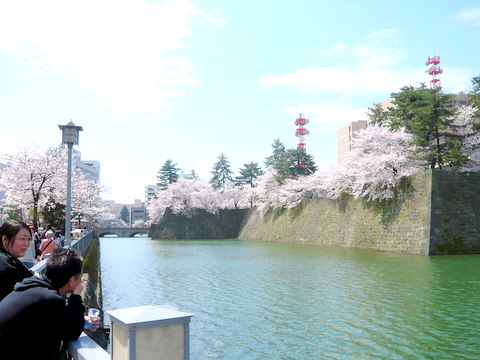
{"x": 122, "y": 232}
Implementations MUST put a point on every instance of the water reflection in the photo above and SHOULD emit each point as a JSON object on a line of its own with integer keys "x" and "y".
{"x": 255, "y": 300}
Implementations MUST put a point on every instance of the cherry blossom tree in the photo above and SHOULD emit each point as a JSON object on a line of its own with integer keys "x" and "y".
{"x": 236, "y": 197}
{"x": 184, "y": 197}
{"x": 267, "y": 190}
{"x": 294, "y": 191}
{"x": 87, "y": 199}
{"x": 465, "y": 125}
{"x": 378, "y": 159}
{"x": 32, "y": 177}
{"x": 36, "y": 181}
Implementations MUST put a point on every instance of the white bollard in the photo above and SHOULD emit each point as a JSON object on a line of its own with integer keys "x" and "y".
{"x": 149, "y": 332}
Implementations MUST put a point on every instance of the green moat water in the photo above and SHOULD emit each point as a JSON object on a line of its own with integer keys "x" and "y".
{"x": 255, "y": 300}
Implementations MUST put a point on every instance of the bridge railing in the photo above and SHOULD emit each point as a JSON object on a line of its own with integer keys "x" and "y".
{"x": 121, "y": 231}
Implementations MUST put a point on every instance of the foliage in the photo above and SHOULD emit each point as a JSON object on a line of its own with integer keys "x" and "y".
{"x": 248, "y": 174}
{"x": 378, "y": 115}
{"x": 86, "y": 198}
{"x": 474, "y": 95}
{"x": 33, "y": 177}
{"x": 378, "y": 159}
{"x": 236, "y": 197}
{"x": 139, "y": 224}
{"x": 125, "y": 214}
{"x": 183, "y": 198}
{"x": 167, "y": 174}
{"x": 36, "y": 181}
{"x": 193, "y": 175}
{"x": 466, "y": 125}
{"x": 372, "y": 169}
{"x": 221, "y": 173}
{"x": 300, "y": 163}
{"x": 289, "y": 163}
{"x": 428, "y": 115}
{"x": 267, "y": 189}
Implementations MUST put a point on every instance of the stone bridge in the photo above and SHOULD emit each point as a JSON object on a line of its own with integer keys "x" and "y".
{"x": 122, "y": 232}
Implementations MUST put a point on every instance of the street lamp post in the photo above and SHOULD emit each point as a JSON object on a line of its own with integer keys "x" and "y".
{"x": 70, "y": 134}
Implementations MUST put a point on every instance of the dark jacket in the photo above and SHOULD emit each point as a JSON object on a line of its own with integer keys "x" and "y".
{"x": 34, "y": 319}
{"x": 12, "y": 271}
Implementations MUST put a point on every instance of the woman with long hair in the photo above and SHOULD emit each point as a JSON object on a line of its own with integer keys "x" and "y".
{"x": 15, "y": 239}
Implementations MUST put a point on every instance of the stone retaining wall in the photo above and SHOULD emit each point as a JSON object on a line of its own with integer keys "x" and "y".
{"x": 402, "y": 225}
{"x": 455, "y": 213}
{"x": 433, "y": 212}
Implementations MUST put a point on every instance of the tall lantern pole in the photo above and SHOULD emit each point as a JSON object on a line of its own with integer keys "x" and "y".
{"x": 70, "y": 134}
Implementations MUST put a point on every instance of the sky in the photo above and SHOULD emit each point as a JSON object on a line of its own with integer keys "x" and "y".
{"x": 188, "y": 81}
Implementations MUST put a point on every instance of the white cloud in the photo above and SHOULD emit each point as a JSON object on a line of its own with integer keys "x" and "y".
{"x": 345, "y": 80}
{"x": 334, "y": 51}
{"x": 122, "y": 52}
{"x": 371, "y": 67}
{"x": 327, "y": 116}
{"x": 468, "y": 16}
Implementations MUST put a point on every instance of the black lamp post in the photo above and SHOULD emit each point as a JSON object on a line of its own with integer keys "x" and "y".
{"x": 70, "y": 134}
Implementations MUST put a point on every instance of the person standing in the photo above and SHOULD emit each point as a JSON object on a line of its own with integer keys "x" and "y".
{"x": 36, "y": 240}
{"x": 48, "y": 244}
{"x": 15, "y": 239}
{"x": 38, "y": 304}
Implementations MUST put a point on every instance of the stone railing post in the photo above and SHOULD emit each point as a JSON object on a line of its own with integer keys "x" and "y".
{"x": 149, "y": 332}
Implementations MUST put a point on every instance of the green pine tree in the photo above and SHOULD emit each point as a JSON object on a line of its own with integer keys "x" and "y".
{"x": 125, "y": 215}
{"x": 248, "y": 174}
{"x": 221, "y": 173}
{"x": 168, "y": 174}
{"x": 427, "y": 114}
{"x": 289, "y": 163}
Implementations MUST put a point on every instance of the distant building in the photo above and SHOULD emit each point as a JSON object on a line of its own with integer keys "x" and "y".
{"x": 110, "y": 203}
{"x": 150, "y": 191}
{"x": 137, "y": 211}
{"x": 91, "y": 168}
{"x": 345, "y": 137}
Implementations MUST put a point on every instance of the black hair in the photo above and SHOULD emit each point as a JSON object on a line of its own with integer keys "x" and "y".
{"x": 62, "y": 265}
{"x": 10, "y": 229}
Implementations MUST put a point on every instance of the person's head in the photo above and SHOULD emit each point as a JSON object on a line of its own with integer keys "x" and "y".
{"x": 64, "y": 269}
{"x": 15, "y": 237}
{"x": 50, "y": 234}
{"x": 32, "y": 228}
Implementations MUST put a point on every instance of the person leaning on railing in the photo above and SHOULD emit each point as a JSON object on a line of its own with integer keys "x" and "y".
{"x": 39, "y": 303}
{"x": 15, "y": 240}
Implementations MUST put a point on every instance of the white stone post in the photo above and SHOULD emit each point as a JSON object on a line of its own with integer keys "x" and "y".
{"x": 149, "y": 332}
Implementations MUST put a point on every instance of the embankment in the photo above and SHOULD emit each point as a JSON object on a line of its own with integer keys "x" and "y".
{"x": 92, "y": 293}
{"x": 433, "y": 212}
{"x": 203, "y": 225}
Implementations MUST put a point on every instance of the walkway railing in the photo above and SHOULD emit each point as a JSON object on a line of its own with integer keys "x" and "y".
{"x": 79, "y": 245}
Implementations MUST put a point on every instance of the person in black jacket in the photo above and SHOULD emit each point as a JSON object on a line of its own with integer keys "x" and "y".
{"x": 38, "y": 304}
{"x": 15, "y": 239}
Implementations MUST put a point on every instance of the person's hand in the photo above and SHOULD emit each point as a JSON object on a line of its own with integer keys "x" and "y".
{"x": 95, "y": 323}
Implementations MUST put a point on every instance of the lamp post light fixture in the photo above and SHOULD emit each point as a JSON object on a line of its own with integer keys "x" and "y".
{"x": 70, "y": 134}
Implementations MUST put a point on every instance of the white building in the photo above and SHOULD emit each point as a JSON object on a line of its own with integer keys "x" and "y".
{"x": 91, "y": 168}
{"x": 150, "y": 191}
